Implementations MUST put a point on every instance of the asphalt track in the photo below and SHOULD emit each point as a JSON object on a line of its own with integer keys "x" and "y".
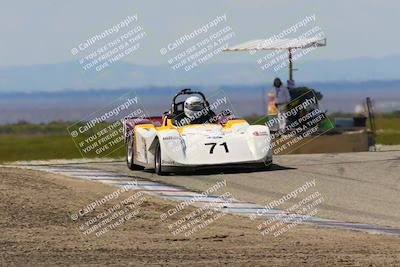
{"x": 357, "y": 188}
{"x": 360, "y": 187}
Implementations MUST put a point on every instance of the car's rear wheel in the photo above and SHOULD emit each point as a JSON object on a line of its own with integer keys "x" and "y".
{"x": 130, "y": 155}
{"x": 157, "y": 160}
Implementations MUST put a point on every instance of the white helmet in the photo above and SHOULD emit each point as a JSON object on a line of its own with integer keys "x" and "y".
{"x": 193, "y": 105}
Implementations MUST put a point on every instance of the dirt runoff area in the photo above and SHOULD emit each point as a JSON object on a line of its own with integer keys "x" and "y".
{"x": 37, "y": 230}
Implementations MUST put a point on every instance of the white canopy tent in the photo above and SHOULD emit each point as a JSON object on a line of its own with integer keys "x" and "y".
{"x": 280, "y": 44}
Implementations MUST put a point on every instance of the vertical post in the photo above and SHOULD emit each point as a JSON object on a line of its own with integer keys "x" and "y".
{"x": 264, "y": 100}
{"x": 371, "y": 138}
{"x": 290, "y": 65}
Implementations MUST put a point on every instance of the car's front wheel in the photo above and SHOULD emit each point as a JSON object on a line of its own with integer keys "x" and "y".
{"x": 130, "y": 160}
{"x": 157, "y": 160}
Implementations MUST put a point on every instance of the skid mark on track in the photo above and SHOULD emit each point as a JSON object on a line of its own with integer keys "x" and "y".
{"x": 179, "y": 194}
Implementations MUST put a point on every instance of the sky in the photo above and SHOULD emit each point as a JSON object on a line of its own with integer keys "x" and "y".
{"x": 45, "y": 31}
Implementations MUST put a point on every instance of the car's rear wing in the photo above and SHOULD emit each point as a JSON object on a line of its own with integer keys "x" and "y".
{"x": 128, "y": 123}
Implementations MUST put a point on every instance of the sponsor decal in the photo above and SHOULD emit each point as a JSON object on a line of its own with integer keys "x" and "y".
{"x": 260, "y": 133}
{"x": 171, "y": 138}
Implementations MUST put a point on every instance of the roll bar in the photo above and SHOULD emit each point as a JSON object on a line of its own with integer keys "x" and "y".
{"x": 188, "y": 91}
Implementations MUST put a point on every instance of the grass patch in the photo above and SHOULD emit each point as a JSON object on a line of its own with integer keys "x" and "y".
{"x": 53, "y": 128}
{"x": 388, "y": 138}
{"x": 37, "y": 147}
{"x": 388, "y": 130}
{"x": 30, "y": 147}
{"x": 388, "y": 124}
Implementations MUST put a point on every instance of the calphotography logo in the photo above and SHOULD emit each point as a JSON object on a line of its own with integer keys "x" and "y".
{"x": 111, "y": 45}
{"x": 300, "y": 212}
{"x": 101, "y": 133}
{"x": 199, "y": 46}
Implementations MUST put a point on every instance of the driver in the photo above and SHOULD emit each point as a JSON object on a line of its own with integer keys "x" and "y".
{"x": 196, "y": 111}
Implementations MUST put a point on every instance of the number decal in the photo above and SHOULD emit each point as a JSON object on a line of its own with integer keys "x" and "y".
{"x": 212, "y": 147}
{"x": 225, "y": 146}
{"x": 214, "y": 144}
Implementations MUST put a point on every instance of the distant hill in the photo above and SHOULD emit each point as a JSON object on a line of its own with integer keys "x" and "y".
{"x": 70, "y": 75}
{"x": 71, "y": 105}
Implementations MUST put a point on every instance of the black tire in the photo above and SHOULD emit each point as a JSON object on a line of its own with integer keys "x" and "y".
{"x": 129, "y": 154}
{"x": 268, "y": 165}
{"x": 157, "y": 160}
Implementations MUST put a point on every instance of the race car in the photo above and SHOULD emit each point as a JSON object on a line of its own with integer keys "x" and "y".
{"x": 166, "y": 144}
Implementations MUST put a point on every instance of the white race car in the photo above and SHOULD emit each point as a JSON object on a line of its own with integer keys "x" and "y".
{"x": 164, "y": 144}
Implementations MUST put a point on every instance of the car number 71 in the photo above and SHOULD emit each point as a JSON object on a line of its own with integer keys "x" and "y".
{"x": 214, "y": 144}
